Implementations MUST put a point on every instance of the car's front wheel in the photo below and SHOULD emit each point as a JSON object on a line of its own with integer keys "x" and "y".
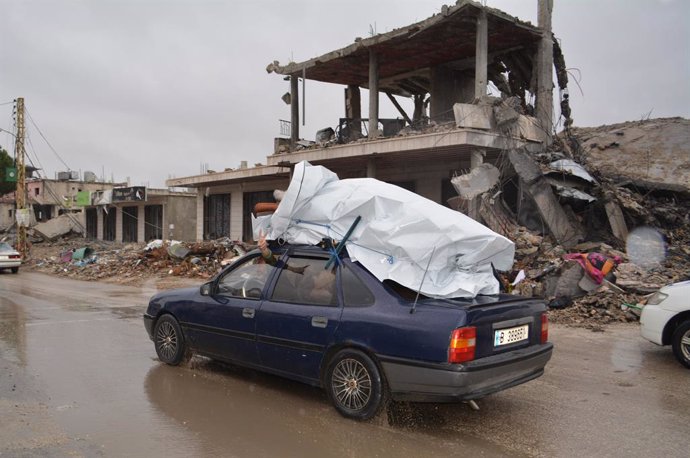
{"x": 681, "y": 343}
{"x": 355, "y": 385}
{"x": 169, "y": 341}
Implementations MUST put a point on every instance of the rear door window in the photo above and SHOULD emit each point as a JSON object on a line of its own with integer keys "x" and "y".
{"x": 305, "y": 280}
{"x": 355, "y": 292}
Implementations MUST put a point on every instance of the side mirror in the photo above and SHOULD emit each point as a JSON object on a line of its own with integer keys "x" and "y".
{"x": 206, "y": 289}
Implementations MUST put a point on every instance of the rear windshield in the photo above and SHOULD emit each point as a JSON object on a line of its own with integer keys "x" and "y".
{"x": 403, "y": 292}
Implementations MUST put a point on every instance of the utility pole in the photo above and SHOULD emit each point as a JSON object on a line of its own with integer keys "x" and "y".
{"x": 20, "y": 195}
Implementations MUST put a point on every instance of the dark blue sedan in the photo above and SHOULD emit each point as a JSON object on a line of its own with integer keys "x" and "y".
{"x": 362, "y": 340}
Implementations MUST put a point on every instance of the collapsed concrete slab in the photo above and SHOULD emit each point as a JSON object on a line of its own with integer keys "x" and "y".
{"x": 653, "y": 153}
{"x": 57, "y": 227}
{"x": 566, "y": 231}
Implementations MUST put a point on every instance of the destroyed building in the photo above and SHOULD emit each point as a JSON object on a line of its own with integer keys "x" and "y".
{"x": 102, "y": 210}
{"x": 446, "y": 66}
{"x": 50, "y": 198}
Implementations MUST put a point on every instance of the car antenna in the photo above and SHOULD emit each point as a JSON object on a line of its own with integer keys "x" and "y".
{"x": 414, "y": 306}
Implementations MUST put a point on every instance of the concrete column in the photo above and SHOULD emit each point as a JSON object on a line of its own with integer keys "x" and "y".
{"x": 474, "y": 205}
{"x": 353, "y": 108}
{"x": 482, "y": 53}
{"x": 294, "y": 110}
{"x": 237, "y": 214}
{"x": 544, "y": 104}
{"x": 373, "y": 95}
{"x": 141, "y": 223}
{"x": 371, "y": 168}
{"x": 118, "y": 224}
{"x": 100, "y": 227}
{"x": 199, "y": 215}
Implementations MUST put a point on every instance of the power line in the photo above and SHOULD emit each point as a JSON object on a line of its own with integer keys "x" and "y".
{"x": 46, "y": 140}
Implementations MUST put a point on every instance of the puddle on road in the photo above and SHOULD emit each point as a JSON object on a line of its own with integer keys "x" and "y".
{"x": 13, "y": 320}
{"x": 253, "y": 414}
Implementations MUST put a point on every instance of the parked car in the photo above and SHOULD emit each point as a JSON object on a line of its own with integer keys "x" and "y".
{"x": 665, "y": 319}
{"x": 9, "y": 258}
{"x": 362, "y": 340}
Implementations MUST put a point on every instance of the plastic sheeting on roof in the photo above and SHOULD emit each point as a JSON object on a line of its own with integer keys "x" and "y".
{"x": 397, "y": 235}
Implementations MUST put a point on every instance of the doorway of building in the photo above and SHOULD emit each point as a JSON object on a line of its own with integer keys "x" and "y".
{"x": 92, "y": 223}
{"x": 153, "y": 222}
{"x": 251, "y": 199}
{"x": 130, "y": 215}
{"x": 216, "y": 216}
{"x": 109, "y": 219}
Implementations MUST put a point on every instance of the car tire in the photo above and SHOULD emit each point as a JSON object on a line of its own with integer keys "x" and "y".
{"x": 169, "y": 341}
{"x": 15, "y": 270}
{"x": 355, "y": 385}
{"x": 681, "y": 343}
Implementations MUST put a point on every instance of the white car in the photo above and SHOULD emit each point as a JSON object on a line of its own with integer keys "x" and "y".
{"x": 665, "y": 319}
{"x": 9, "y": 258}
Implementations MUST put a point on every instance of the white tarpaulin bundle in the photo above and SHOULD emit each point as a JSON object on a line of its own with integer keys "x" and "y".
{"x": 397, "y": 235}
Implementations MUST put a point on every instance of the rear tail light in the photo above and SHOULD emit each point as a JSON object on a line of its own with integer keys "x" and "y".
{"x": 462, "y": 344}
{"x": 14, "y": 256}
{"x": 544, "y": 328}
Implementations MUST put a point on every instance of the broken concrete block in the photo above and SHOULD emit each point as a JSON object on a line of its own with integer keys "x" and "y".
{"x": 530, "y": 129}
{"x": 59, "y": 226}
{"x": 568, "y": 283}
{"x": 476, "y": 182}
{"x": 525, "y": 166}
{"x": 504, "y": 115}
{"x": 566, "y": 230}
{"x": 616, "y": 220}
{"x": 473, "y": 116}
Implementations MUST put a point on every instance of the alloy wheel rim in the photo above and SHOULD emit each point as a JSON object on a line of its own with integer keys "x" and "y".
{"x": 351, "y": 384}
{"x": 166, "y": 337}
{"x": 685, "y": 344}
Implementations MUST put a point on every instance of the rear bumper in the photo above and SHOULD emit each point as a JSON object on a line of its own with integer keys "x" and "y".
{"x": 8, "y": 264}
{"x": 409, "y": 381}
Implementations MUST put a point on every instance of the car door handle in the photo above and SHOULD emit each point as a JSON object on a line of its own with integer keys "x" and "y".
{"x": 319, "y": 321}
{"x": 248, "y": 312}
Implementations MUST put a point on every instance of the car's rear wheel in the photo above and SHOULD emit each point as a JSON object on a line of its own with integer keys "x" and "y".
{"x": 355, "y": 385}
{"x": 169, "y": 341}
{"x": 681, "y": 343}
{"x": 15, "y": 270}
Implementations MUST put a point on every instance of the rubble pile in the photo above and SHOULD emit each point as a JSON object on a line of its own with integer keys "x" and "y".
{"x": 71, "y": 257}
{"x": 639, "y": 219}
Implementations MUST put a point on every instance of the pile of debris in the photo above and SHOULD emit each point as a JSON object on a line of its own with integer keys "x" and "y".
{"x": 71, "y": 257}
{"x": 617, "y": 193}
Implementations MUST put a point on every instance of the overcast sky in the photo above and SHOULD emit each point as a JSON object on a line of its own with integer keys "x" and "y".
{"x": 154, "y": 89}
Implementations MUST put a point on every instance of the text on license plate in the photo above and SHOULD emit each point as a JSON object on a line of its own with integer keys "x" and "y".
{"x": 511, "y": 335}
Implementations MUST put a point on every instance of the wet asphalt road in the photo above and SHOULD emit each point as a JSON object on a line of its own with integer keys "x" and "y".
{"x": 79, "y": 377}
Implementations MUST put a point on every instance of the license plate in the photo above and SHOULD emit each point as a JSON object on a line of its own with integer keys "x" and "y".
{"x": 511, "y": 335}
